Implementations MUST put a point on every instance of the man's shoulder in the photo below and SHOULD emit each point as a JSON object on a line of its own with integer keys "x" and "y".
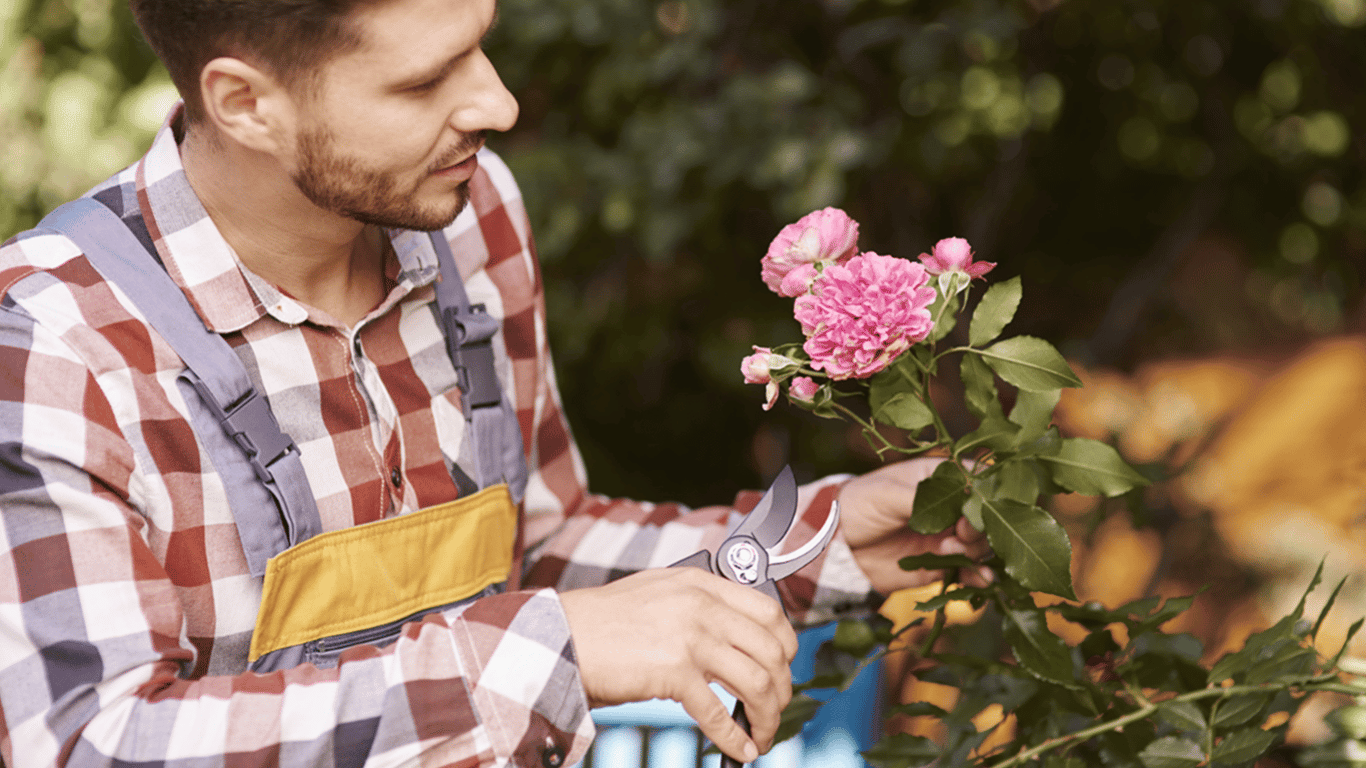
{"x": 43, "y": 250}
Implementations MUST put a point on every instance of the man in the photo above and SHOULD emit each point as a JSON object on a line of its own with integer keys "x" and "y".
{"x": 282, "y": 198}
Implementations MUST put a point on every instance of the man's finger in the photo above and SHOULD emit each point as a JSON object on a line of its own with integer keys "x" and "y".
{"x": 715, "y": 722}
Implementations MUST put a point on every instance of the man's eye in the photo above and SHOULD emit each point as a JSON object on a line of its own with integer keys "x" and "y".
{"x": 424, "y": 87}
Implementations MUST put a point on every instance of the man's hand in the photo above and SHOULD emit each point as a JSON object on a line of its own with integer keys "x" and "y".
{"x": 874, "y": 509}
{"x": 668, "y": 633}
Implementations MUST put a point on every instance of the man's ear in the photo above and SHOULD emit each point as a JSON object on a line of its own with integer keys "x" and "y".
{"x": 247, "y": 105}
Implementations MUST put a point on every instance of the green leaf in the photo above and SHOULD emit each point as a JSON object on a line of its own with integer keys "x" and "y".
{"x": 902, "y": 750}
{"x": 1242, "y": 746}
{"x": 796, "y": 714}
{"x": 1351, "y": 633}
{"x": 1183, "y": 715}
{"x": 994, "y": 311}
{"x": 1171, "y": 608}
{"x": 1036, "y": 648}
{"x": 1029, "y": 363}
{"x": 1171, "y": 752}
{"x": 938, "y": 500}
{"x": 947, "y": 319}
{"x": 1327, "y": 606}
{"x": 973, "y": 595}
{"x": 1259, "y": 645}
{"x": 1236, "y": 710}
{"x": 917, "y": 709}
{"x": 1036, "y": 550}
{"x": 995, "y": 432}
{"x": 932, "y": 562}
{"x": 906, "y": 411}
{"x": 1033, "y": 411}
{"x": 1018, "y": 480}
{"x": 901, "y": 377}
{"x": 979, "y": 388}
{"x": 1092, "y": 468}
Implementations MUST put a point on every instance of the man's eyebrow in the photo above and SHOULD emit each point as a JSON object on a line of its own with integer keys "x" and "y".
{"x": 445, "y": 68}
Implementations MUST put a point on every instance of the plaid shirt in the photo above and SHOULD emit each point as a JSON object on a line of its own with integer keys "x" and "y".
{"x": 126, "y": 604}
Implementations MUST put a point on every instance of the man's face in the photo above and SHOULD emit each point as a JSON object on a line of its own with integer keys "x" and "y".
{"x": 389, "y": 136}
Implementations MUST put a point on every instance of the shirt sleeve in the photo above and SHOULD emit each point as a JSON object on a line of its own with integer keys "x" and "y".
{"x": 577, "y": 539}
{"x": 95, "y": 660}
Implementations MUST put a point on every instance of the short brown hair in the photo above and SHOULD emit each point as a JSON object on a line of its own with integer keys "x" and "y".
{"x": 290, "y": 39}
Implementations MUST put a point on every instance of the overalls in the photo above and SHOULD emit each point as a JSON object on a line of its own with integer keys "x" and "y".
{"x": 325, "y": 592}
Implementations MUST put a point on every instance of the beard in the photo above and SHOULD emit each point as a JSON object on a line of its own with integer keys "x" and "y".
{"x": 336, "y": 182}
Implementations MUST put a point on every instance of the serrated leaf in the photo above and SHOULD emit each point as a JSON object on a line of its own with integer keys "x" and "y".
{"x": 1036, "y": 550}
{"x": 1171, "y": 752}
{"x": 1236, "y": 710}
{"x": 979, "y": 388}
{"x": 1036, "y": 648}
{"x": 1029, "y": 363}
{"x": 1033, "y": 411}
{"x": 1092, "y": 468}
{"x": 798, "y": 712}
{"x": 938, "y": 500}
{"x": 1182, "y": 715}
{"x": 902, "y": 750}
{"x": 994, "y": 311}
{"x": 906, "y": 411}
{"x": 1242, "y": 746}
{"x": 1351, "y": 633}
{"x": 1327, "y": 606}
{"x": 1256, "y": 645}
{"x": 1288, "y": 662}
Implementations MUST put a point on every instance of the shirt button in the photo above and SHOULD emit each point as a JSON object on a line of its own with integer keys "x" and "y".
{"x": 552, "y": 757}
{"x": 396, "y": 477}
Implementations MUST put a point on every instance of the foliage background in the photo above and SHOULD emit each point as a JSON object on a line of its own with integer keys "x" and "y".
{"x": 1085, "y": 144}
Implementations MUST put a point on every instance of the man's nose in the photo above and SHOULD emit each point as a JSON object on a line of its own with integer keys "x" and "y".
{"x": 490, "y": 106}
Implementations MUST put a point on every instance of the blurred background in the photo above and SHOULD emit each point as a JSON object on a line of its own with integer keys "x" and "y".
{"x": 1178, "y": 182}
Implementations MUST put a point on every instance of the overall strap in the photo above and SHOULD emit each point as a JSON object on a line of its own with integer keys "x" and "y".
{"x": 215, "y": 372}
{"x": 491, "y": 422}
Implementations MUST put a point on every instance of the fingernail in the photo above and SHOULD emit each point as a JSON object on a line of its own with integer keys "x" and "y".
{"x": 751, "y": 752}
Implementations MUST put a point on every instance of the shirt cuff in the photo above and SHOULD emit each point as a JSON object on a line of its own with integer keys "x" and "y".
{"x": 527, "y": 687}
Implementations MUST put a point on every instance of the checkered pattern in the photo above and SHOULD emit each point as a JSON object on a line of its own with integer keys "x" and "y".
{"x": 126, "y": 605}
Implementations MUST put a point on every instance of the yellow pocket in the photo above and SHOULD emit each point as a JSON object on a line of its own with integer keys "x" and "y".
{"x": 373, "y": 574}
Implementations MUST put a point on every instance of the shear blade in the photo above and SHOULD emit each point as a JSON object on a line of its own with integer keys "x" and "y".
{"x": 772, "y": 517}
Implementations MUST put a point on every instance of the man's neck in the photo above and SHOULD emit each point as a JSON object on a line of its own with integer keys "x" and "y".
{"x": 330, "y": 262}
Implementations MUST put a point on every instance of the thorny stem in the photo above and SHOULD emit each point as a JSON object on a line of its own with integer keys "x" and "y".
{"x": 1316, "y": 683}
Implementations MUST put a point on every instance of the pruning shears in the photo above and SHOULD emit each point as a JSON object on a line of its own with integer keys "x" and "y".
{"x": 750, "y": 554}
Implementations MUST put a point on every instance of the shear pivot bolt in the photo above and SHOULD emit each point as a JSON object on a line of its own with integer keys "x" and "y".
{"x": 743, "y": 560}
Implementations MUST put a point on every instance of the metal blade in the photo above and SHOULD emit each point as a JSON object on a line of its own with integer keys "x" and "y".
{"x": 772, "y": 517}
{"x": 781, "y": 566}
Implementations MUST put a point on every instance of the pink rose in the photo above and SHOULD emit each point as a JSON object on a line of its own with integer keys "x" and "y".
{"x": 803, "y": 389}
{"x": 862, "y": 314}
{"x": 827, "y": 235}
{"x": 755, "y": 366}
{"x": 954, "y": 254}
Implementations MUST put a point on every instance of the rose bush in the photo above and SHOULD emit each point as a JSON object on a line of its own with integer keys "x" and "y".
{"x": 1138, "y": 697}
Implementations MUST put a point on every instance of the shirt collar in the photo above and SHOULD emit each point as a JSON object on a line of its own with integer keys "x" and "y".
{"x": 227, "y": 295}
